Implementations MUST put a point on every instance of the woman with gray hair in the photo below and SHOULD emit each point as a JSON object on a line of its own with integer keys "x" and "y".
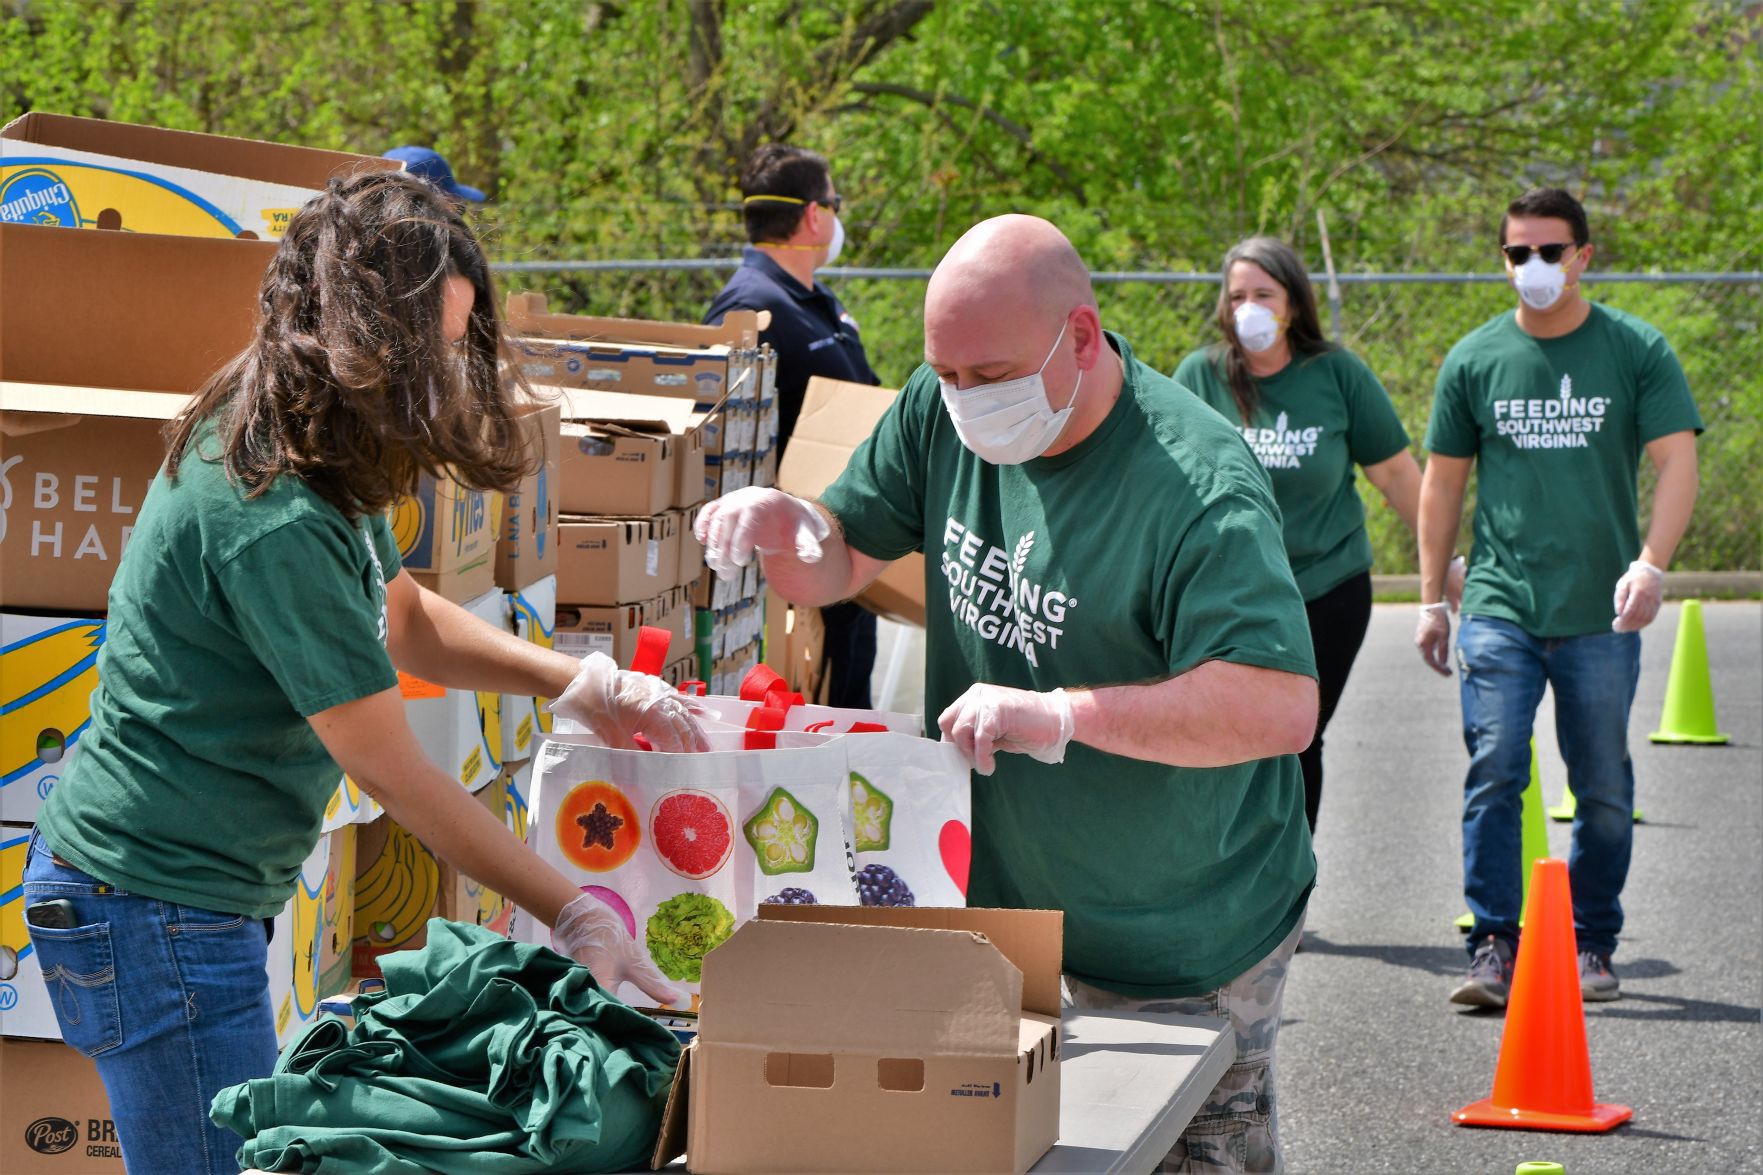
{"x": 1312, "y": 411}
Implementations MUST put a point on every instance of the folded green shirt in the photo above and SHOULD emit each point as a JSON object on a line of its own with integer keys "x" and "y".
{"x": 481, "y": 1057}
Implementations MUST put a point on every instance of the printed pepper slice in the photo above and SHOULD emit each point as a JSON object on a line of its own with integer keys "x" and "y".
{"x": 873, "y": 814}
{"x": 782, "y": 833}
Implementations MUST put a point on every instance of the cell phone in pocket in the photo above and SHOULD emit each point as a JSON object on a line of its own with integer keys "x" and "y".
{"x": 52, "y": 915}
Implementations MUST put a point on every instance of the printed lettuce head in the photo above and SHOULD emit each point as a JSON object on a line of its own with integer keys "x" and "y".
{"x": 782, "y": 833}
{"x": 683, "y": 930}
{"x": 872, "y": 812}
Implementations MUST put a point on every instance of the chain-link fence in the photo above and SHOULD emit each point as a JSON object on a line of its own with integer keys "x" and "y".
{"x": 1400, "y": 324}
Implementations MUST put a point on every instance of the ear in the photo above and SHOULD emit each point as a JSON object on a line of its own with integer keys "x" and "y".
{"x": 1086, "y": 331}
{"x": 810, "y": 225}
{"x": 1584, "y": 261}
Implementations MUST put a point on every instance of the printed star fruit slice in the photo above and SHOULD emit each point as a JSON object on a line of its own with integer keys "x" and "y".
{"x": 873, "y": 812}
{"x": 782, "y": 833}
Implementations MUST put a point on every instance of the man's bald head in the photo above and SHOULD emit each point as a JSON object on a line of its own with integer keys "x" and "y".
{"x": 1009, "y": 269}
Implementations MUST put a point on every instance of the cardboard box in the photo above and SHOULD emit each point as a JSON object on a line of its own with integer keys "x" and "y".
{"x": 527, "y": 313}
{"x": 48, "y": 669}
{"x": 681, "y": 419}
{"x": 461, "y": 730}
{"x": 610, "y": 468}
{"x": 447, "y": 538}
{"x": 691, "y": 551}
{"x": 533, "y": 614}
{"x": 526, "y": 547}
{"x": 795, "y": 640}
{"x": 616, "y": 560}
{"x": 25, "y": 1009}
{"x": 610, "y": 628}
{"x": 54, "y": 1115}
{"x": 309, "y": 947}
{"x": 79, "y": 423}
{"x": 70, "y": 172}
{"x": 930, "y": 1041}
{"x": 836, "y": 418}
{"x": 400, "y": 884}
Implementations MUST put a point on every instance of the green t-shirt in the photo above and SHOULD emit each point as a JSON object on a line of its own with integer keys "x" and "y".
{"x": 1317, "y": 418}
{"x": 1147, "y": 549}
{"x": 231, "y": 621}
{"x": 1558, "y": 426}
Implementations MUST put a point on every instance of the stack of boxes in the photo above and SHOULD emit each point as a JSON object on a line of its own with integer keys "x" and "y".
{"x": 106, "y": 334}
{"x": 657, "y": 419}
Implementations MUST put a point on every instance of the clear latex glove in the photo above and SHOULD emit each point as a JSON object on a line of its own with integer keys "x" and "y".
{"x": 1638, "y": 594}
{"x": 617, "y": 705}
{"x": 992, "y": 718}
{"x": 762, "y": 521}
{"x": 1454, "y": 577}
{"x": 594, "y": 935}
{"x": 1432, "y": 636}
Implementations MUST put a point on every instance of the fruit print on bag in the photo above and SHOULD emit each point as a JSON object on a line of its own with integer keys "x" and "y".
{"x": 597, "y": 827}
{"x": 684, "y": 929}
{"x": 873, "y": 813}
{"x": 782, "y": 833}
{"x": 877, "y": 885}
{"x": 692, "y": 832}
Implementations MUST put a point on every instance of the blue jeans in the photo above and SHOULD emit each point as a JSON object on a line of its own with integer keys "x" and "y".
{"x": 1503, "y": 671}
{"x": 172, "y": 1003}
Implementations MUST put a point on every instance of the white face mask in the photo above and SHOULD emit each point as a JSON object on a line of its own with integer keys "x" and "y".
{"x": 1257, "y": 328}
{"x": 837, "y": 243}
{"x": 1539, "y": 283}
{"x": 1012, "y": 421}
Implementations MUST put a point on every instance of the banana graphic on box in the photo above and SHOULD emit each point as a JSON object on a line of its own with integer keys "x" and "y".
{"x": 15, "y": 942}
{"x": 395, "y": 893}
{"x": 308, "y": 938}
{"x": 48, "y": 679}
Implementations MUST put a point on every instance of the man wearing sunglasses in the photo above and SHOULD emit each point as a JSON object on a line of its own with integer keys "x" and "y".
{"x": 792, "y": 214}
{"x": 1556, "y": 402}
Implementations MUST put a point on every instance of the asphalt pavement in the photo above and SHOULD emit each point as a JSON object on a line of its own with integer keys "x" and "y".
{"x": 1372, "y": 1057}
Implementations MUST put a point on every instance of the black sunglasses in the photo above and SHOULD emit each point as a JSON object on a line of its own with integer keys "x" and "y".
{"x": 835, "y": 202}
{"x": 1519, "y": 254}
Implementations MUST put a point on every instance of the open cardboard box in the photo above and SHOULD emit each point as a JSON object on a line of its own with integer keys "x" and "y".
{"x": 528, "y": 314}
{"x": 873, "y": 1039}
{"x": 680, "y": 420}
{"x": 80, "y": 422}
{"x": 836, "y": 417}
{"x": 56, "y": 169}
{"x": 526, "y": 545}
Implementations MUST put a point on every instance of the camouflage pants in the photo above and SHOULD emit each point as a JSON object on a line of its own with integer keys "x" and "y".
{"x": 1238, "y": 1127}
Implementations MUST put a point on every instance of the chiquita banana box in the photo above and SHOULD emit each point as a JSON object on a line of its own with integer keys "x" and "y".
{"x": 70, "y": 172}
{"x": 309, "y": 948}
{"x": 25, "y": 1009}
{"x": 48, "y": 670}
{"x": 525, "y": 720}
{"x": 460, "y": 730}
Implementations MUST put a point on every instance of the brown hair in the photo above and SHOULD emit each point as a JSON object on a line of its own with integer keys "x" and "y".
{"x": 349, "y": 383}
{"x": 1303, "y": 331}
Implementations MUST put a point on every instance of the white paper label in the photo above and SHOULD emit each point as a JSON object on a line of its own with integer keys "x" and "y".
{"x": 607, "y": 375}
{"x": 652, "y": 565}
{"x": 580, "y": 644}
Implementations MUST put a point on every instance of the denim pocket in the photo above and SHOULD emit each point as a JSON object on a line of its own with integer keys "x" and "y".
{"x": 79, "y": 971}
{"x": 194, "y": 918}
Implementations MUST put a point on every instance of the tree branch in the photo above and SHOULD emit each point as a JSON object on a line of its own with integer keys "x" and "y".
{"x": 1014, "y": 129}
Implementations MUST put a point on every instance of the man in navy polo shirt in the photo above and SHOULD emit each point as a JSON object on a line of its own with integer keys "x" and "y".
{"x": 792, "y": 214}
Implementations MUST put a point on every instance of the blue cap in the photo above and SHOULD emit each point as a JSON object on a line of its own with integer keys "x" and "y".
{"x": 432, "y": 166}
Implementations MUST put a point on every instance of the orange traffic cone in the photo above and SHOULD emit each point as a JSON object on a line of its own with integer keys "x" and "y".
{"x": 1544, "y": 1078}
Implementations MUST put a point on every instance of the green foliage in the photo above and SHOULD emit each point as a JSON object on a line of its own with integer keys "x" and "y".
{"x": 1154, "y": 132}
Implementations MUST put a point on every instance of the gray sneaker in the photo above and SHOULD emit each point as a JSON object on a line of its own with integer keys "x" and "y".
{"x": 1490, "y": 975}
{"x": 1597, "y": 979}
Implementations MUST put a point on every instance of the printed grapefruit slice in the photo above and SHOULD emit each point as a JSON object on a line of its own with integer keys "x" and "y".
{"x": 692, "y": 833}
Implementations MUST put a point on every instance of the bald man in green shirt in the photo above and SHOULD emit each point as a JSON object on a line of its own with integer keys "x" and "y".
{"x": 1108, "y": 599}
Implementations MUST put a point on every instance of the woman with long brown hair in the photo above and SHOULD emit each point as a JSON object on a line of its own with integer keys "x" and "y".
{"x": 256, "y": 627}
{"x": 1311, "y": 411}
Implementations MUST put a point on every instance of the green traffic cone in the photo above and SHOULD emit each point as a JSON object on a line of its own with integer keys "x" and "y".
{"x": 1568, "y": 806}
{"x": 1534, "y": 832}
{"x": 1689, "y": 692}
